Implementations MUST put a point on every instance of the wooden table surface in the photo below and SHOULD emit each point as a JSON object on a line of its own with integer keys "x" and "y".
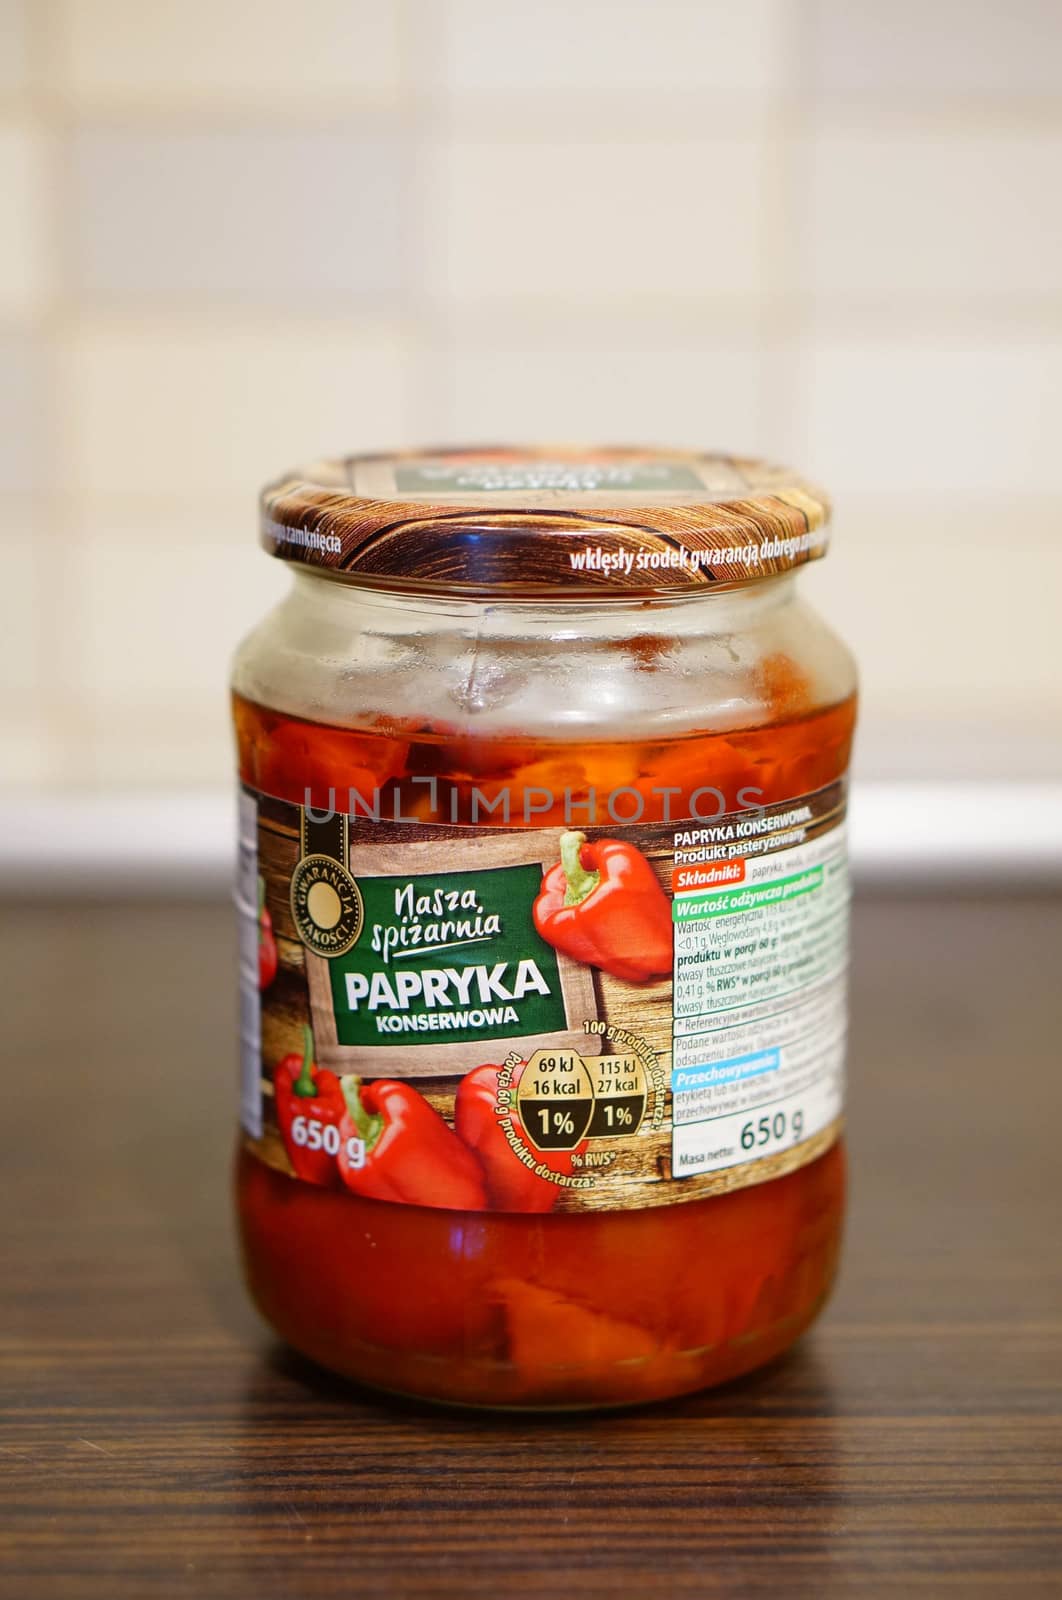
{"x": 157, "y": 1442}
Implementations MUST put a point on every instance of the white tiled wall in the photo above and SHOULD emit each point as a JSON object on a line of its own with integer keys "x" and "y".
{"x": 227, "y": 53}
{"x": 596, "y": 221}
{"x": 700, "y": 46}
{"x": 187, "y": 404}
{"x": 236, "y": 233}
{"x": 25, "y": 266}
{"x": 237, "y": 215}
{"x": 932, "y": 51}
{"x": 925, "y": 213}
{"x": 574, "y": 379}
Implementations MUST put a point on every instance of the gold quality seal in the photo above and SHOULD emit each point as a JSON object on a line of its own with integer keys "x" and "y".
{"x": 326, "y": 905}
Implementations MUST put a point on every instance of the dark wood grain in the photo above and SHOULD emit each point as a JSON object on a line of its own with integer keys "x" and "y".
{"x": 156, "y": 1442}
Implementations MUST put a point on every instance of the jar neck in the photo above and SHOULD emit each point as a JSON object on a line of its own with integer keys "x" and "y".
{"x": 728, "y": 608}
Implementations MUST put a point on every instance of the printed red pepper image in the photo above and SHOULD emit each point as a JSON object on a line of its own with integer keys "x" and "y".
{"x": 310, "y": 1108}
{"x": 267, "y": 944}
{"x": 511, "y": 1186}
{"x": 394, "y": 1146}
{"x": 603, "y": 905}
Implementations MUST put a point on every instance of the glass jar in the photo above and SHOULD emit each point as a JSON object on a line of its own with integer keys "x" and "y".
{"x": 543, "y": 903}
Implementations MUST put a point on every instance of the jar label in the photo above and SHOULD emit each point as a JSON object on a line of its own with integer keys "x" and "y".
{"x": 584, "y": 476}
{"x": 539, "y": 1019}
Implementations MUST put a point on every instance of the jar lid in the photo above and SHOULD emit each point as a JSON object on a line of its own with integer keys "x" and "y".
{"x": 545, "y": 522}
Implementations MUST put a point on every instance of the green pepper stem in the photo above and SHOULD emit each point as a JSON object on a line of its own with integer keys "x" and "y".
{"x": 261, "y": 894}
{"x": 369, "y": 1127}
{"x": 304, "y": 1084}
{"x": 581, "y": 881}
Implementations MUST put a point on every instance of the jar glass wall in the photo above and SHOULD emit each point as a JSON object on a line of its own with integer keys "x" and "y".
{"x": 681, "y": 709}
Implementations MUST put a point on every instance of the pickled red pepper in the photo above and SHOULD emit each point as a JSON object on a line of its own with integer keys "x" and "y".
{"x": 395, "y": 1146}
{"x": 602, "y": 904}
{"x": 309, "y": 1103}
{"x": 512, "y": 1185}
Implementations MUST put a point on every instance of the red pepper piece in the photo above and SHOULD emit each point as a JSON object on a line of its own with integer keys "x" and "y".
{"x": 310, "y": 1108}
{"x": 394, "y": 1146}
{"x": 267, "y": 944}
{"x": 298, "y": 759}
{"x": 602, "y": 905}
{"x": 559, "y": 1346}
{"x": 511, "y": 1186}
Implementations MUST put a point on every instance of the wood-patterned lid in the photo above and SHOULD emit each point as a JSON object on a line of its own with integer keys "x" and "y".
{"x": 545, "y": 522}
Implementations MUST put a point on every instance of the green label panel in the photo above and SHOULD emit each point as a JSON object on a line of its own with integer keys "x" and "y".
{"x": 445, "y": 959}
